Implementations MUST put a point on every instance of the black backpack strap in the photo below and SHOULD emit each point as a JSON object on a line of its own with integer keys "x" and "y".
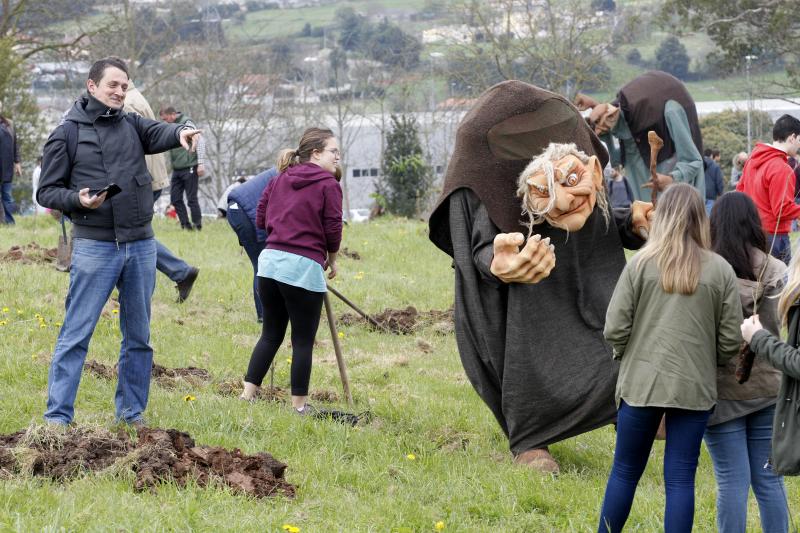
{"x": 71, "y": 132}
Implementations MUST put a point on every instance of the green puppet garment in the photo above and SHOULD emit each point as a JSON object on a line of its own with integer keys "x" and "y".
{"x": 685, "y": 166}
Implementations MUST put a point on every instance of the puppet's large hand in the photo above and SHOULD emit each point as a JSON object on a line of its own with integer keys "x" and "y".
{"x": 641, "y": 216}
{"x": 531, "y": 264}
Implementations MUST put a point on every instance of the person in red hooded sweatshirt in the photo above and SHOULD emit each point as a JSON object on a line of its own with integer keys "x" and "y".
{"x": 301, "y": 211}
{"x": 768, "y": 179}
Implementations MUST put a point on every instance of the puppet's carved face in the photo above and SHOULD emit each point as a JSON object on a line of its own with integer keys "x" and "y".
{"x": 569, "y": 198}
{"x": 604, "y": 117}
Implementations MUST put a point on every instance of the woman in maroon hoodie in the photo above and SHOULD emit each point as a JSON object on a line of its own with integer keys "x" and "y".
{"x": 301, "y": 210}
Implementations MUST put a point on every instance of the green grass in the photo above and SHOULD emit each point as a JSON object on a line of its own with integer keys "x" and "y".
{"x": 348, "y": 479}
{"x": 271, "y": 23}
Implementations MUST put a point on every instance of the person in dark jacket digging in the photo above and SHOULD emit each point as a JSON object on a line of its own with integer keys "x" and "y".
{"x": 113, "y": 240}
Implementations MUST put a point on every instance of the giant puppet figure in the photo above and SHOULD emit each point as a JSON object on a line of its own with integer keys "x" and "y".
{"x": 529, "y": 312}
{"x": 659, "y": 102}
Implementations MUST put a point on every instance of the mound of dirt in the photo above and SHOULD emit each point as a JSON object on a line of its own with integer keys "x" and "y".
{"x": 29, "y": 253}
{"x": 167, "y": 377}
{"x": 405, "y": 321}
{"x": 350, "y": 254}
{"x": 172, "y": 454}
{"x": 324, "y": 396}
{"x": 266, "y": 393}
{"x": 158, "y": 455}
{"x": 60, "y": 455}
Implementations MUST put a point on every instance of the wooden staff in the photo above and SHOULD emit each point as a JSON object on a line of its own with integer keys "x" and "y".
{"x": 338, "y": 350}
{"x": 656, "y": 144}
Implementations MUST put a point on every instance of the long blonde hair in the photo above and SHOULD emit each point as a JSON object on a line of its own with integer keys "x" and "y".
{"x": 679, "y": 236}
{"x": 312, "y": 139}
{"x": 791, "y": 292}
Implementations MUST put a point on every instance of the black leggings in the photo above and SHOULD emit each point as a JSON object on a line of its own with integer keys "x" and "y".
{"x": 282, "y": 304}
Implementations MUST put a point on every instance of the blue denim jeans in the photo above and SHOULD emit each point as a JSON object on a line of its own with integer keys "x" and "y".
{"x": 173, "y": 267}
{"x": 709, "y": 206}
{"x": 780, "y": 246}
{"x": 8, "y": 201}
{"x": 248, "y": 239}
{"x": 740, "y": 450}
{"x": 97, "y": 267}
{"x": 636, "y": 430}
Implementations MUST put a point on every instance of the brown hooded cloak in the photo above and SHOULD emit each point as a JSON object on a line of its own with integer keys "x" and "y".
{"x": 534, "y": 353}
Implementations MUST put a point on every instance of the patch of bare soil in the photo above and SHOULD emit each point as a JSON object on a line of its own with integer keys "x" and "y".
{"x": 29, "y": 253}
{"x": 266, "y": 393}
{"x": 166, "y": 377}
{"x": 324, "y": 396}
{"x": 157, "y": 456}
{"x": 350, "y": 254}
{"x": 405, "y": 321}
{"x": 172, "y": 454}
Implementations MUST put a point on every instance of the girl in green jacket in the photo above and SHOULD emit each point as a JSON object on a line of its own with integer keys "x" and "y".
{"x": 673, "y": 318}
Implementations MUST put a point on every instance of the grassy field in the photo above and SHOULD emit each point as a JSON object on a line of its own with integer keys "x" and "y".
{"x": 432, "y": 452}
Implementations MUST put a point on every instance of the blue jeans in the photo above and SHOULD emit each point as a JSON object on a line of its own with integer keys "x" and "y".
{"x": 8, "y": 202}
{"x": 781, "y": 247}
{"x": 97, "y": 267}
{"x": 173, "y": 267}
{"x": 709, "y": 205}
{"x": 636, "y": 430}
{"x": 740, "y": 450}
{"x": 246, "y": 232}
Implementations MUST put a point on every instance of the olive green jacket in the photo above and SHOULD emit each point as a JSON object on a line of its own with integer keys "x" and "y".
{"x": 671, "y": 344}
{"x": 786, "y": 426}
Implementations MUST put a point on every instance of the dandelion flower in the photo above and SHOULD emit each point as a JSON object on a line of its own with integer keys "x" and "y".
{"x": 37, "y": 315}
{"x": 33, "y": 356}
{"x": 290, "y": 528}
{"x": 411, "y": 457}
{"x": 2, "y": 322}
{"x": 5, "y": 309}
{"x": 189, "y": 398}
{"x": 439, "y": 526}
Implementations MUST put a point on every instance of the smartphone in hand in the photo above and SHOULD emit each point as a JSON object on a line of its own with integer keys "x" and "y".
{"x": 112, "y": 189}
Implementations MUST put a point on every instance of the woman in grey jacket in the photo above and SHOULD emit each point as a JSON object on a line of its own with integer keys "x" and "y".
{"x": 739, "y": 431}
{"x": 673, "y": 318}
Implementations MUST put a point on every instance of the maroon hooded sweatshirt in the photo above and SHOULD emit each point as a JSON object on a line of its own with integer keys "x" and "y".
{"x": 301, "y": 211}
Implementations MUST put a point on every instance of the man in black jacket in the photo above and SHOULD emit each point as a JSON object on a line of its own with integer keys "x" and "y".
{"x": 96, "y": 145}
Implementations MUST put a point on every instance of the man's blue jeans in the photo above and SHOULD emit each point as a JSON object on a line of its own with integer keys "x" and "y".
{"x": 8, "y": 201}
{"x": 780, "y": 246}
{"x": 740, "y": 450}
{"x": 248, "y": 239}
{"x": 97, "y": 267}
{"x": 173, "y": 267}
{"x": 636, "y": 430}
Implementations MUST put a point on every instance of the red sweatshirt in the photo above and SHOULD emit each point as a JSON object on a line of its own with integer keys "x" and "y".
{"x": 302, "y": 212}
{"x": 768, "y": 179}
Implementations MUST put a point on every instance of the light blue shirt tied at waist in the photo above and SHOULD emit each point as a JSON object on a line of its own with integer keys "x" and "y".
{"x": 291, "y": 269}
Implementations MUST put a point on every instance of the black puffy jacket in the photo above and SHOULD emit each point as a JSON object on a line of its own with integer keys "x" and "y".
{"x": 110, "y": 148}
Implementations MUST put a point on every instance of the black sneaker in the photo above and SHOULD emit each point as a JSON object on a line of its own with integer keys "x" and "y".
{"x": 185, "y": 286}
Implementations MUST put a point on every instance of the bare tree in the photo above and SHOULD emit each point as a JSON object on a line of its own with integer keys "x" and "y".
{"x": 558, "y": 45}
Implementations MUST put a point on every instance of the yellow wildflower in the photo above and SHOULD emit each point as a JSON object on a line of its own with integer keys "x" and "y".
{"x": 42, "y": 326}
{"x": 2, "y": 322}
{"x": 5, "y": 309}
{"x": 20, "y": 312}
{"x": 290, "y": 528}
{"x": 439, "y": 525}
{"x": 189, "y": 398}
{"x": 37, "y": 315}
{"x": 411, "y": 457}
{"x": 341, "y": 334}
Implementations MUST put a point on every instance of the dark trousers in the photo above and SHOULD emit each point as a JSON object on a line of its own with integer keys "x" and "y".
{"x": 282, "y": 304}
{"x": 248, "y": 239}
{"x": 780, "y": 246}
{"x": 185, "y": 180}
{"x": 636, "y": 430}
